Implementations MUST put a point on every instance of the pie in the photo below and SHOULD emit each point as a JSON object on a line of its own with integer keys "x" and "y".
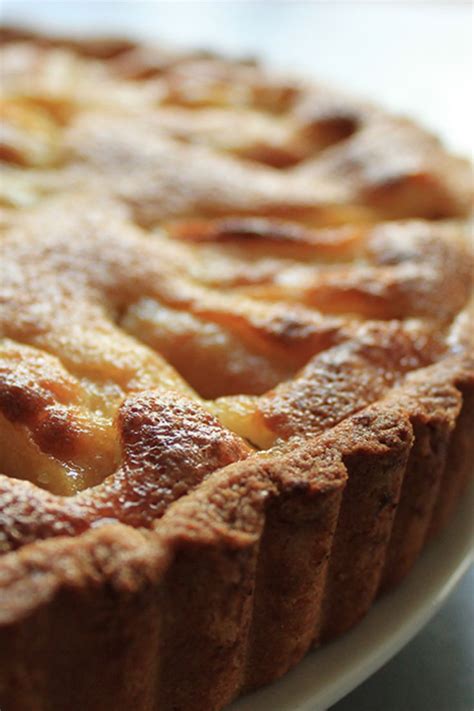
{"x": 236, "y": 369}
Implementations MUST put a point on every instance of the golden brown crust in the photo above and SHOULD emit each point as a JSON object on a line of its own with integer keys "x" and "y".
{"x": 191, "y": 271}
{"x": 382, "y": 436}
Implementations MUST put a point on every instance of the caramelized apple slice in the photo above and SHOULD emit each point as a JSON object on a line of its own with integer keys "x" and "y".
{"x": 169, "y": 444}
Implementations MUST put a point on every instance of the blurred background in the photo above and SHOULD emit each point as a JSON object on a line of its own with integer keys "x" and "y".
{"x": 412, "y": 56}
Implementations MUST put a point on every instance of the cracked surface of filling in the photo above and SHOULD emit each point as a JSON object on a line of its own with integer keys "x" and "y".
{"x": 219, "y": 283}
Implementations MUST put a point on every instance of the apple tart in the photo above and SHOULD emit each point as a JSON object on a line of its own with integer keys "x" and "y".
{"x": 236, "y": 369}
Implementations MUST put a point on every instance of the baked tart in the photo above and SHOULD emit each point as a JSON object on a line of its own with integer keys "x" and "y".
{"x": 236, "y": 370}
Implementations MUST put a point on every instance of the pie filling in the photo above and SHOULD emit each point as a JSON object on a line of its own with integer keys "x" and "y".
{"x": 197, "y": 264}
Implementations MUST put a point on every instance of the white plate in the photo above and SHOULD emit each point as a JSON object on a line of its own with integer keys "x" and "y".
{"x": 329, "y": 673}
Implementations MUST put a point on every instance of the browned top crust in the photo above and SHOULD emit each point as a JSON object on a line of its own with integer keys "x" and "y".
{"x": 201, "y": 294}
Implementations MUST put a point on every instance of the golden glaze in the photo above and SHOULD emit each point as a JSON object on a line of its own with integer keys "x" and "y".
{"x": 84, "y": 290}
{"x": 94, "y": 306}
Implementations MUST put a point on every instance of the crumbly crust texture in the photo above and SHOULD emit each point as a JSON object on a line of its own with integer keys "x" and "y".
{"x": 236, "y": 369}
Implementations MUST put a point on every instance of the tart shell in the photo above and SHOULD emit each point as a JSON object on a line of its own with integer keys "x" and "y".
{"x": 240, "y": 578}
